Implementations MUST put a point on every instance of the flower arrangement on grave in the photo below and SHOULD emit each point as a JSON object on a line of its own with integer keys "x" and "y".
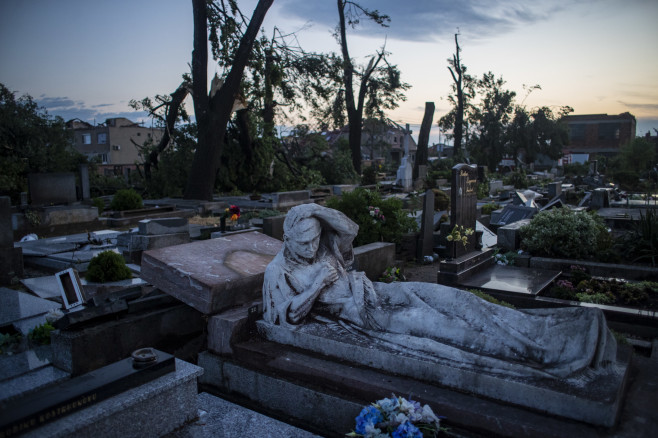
{"x": 392, "y": 274}
{"x": 460, "y": 234}
{"x": 232, "y": 213}
{"x": 377, "y": 215}
{"x": 396, "y": 417}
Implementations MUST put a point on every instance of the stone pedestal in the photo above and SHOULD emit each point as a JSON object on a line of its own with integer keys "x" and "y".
{"x": 453, "y": 271}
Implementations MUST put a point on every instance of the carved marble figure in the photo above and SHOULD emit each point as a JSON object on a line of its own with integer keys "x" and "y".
{"x": 311, "y": 278}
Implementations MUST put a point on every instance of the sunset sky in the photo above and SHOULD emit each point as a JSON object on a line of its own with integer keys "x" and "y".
{"x": 87, "y": 59}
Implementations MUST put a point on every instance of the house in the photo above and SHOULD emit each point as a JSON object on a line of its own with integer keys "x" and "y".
{"x": 598, "y": 134}
{"x": 113, "y": 144}
{"x": 381, "y": 142}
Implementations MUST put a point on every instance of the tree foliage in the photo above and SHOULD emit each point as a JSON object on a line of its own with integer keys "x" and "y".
{"x": 367, "y": 90}
{"x": 31, "y": 141}
{"x": 463, "y": 91}
{"x": 388, "y": 226}
{"x": 538, "y": 131}
{"x": 491, "y": 116}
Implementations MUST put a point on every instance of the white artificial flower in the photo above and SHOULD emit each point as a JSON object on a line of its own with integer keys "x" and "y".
{"x": 428, "y": 416}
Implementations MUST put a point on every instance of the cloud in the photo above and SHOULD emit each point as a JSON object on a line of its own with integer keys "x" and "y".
{"x": 55, "y": 102}
{"x": 424, "y": 20}
{"x": 641, "y": 106}
{"x": 69, "y": 109}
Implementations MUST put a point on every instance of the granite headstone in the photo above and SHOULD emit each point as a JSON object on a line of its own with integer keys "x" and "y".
{"x": 463, "y": 201}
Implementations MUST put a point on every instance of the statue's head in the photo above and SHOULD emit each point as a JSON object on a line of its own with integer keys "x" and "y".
{"x": 301, "y": 233}
{"x": 309, "y": 227}
{"x": 304, "y": 239}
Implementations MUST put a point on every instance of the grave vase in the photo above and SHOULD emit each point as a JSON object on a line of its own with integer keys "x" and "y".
{"x": 222, "y": 224}
{"x": 478, "y": 240}
{"x": 452, "y": 250}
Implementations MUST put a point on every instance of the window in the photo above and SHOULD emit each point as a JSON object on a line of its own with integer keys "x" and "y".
{"x": 609, "y": 131}
{"x": 577, "y": 131}
{"x": 86, "y": 138}
{"x": 102, "y": 138}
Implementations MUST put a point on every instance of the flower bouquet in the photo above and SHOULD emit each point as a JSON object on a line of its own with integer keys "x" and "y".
{"x": 232, "y": 213}
{"x": 396, "y": 417}
{"x": 460, "y": 234}
{"x": 376, "y": 213}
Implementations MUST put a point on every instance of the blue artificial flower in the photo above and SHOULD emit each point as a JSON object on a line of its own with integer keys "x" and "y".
{"x": 369, "y": 415}
{"x": 407, "y": 430}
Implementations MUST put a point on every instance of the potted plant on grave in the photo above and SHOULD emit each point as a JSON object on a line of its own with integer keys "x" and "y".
{"x": 232, "y": 214}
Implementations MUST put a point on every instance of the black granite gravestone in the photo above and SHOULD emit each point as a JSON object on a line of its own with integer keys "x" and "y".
{"x": 35, "y": 409}
{"x": 463, "y": 201}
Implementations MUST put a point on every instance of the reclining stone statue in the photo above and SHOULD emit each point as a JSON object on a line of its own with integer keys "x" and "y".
{"x": 311, "y": 278}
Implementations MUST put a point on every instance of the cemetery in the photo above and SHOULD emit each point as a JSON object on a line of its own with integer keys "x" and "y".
{"x": 287, "y": 313}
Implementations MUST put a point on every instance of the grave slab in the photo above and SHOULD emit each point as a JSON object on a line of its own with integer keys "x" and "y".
{"x": 512, "y": 213}
{"x": 502, "y": 278}
{"x": 286, "y": 200}
{"x": 30, "y": 382}
{"x": 594, "y": 399}
{"x": 212, "y": 275}
{"x": 219, "y": 418}
{"x": 153, "y": 409}
{"x": 169, "y": 225}
{"x": 16, "y": 307}
{"x": 43, "y": 287}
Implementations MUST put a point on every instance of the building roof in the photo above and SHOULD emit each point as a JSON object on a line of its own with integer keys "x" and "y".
{"x": 597, "y": 117}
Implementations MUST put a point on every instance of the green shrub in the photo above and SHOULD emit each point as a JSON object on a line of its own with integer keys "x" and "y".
{"x": 441, "y": 200}
{"x": 99, "y": 204}
{"x": 641, "y": 243}
{"x": 388, "y": 225}
{"x": 126, "y": 199}
{"x": 517, "y": 179}
{"x": 596, "y": 298}
{"x": 638, "y": 293}
{"x": 40, "y": 335}
{"x": 488, "y": 208}
{"x": 627, "y": 179}
{"x": 107, "y": 266}
{"x": 369, "y": 176}
{"x": 10, "y": 342}
{"x": 563, "y": 233}
{"x": 483, "y": 190}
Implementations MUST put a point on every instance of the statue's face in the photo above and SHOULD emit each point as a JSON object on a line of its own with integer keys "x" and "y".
{"x": 305, "y": 240}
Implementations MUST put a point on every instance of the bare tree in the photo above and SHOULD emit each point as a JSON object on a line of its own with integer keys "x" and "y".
{"x": 423, "y": 138}
{"x": 463, "y": 87}
{"x": 213, "y": 110}
{"x": 349, "y": 13}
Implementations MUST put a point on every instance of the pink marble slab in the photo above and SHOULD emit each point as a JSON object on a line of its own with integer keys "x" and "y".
{"x": 212, "y": 275}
